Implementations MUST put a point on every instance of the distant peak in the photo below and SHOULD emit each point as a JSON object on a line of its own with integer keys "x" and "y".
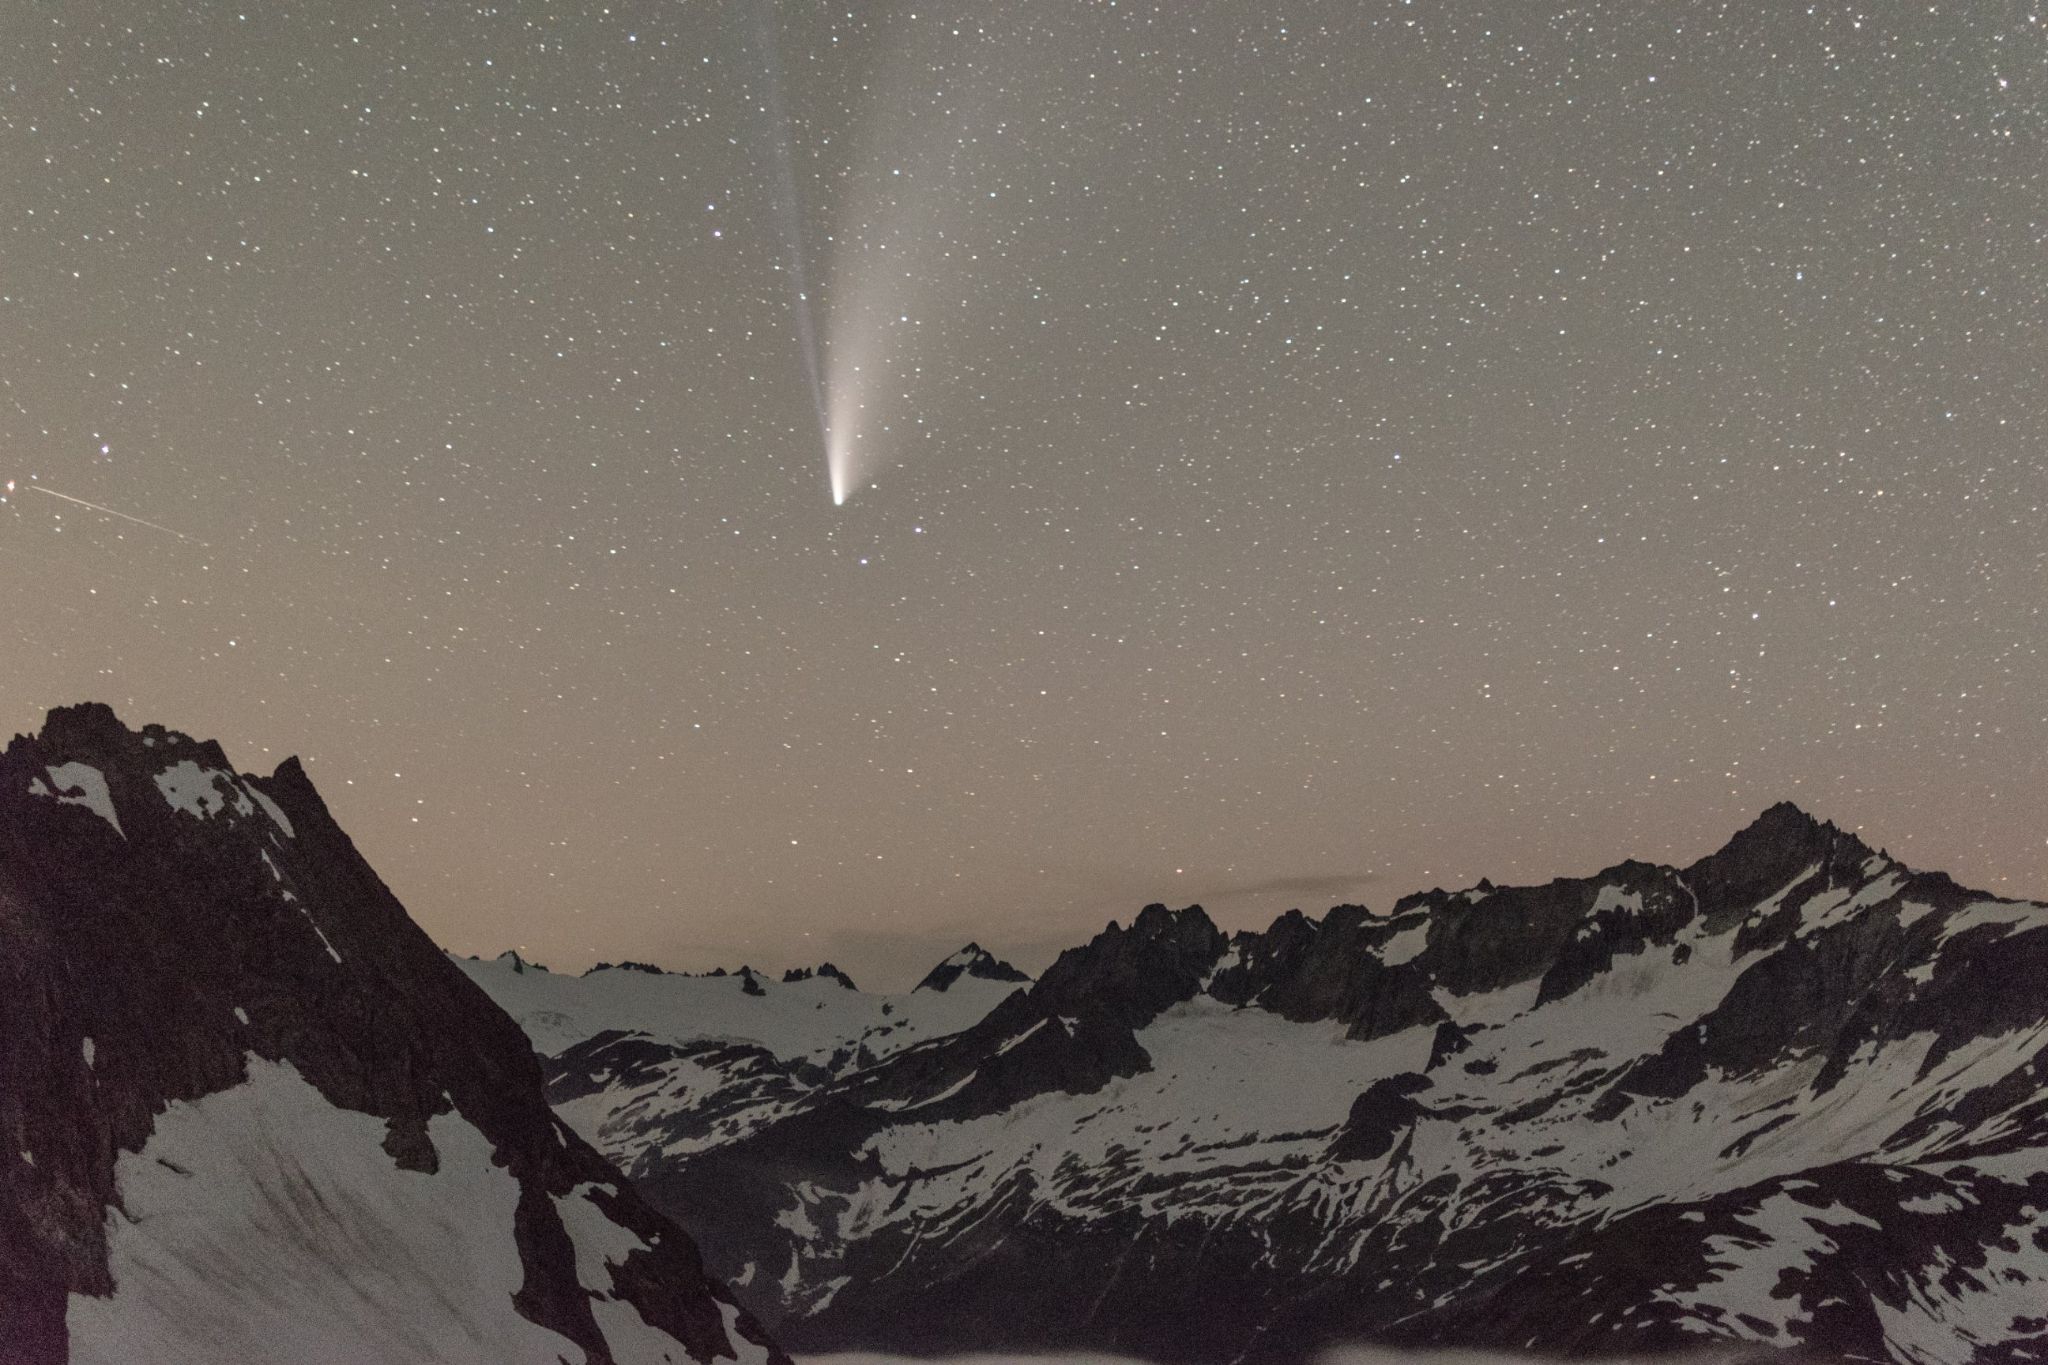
{"x": 1784, "y": 814}
{"x": 824, "y": 970}
{"x": 1157, "y": 921}
{"x": 1785, "y": 825}
{"x": 1771, "y": 849}
{"x": 972, "y": 960}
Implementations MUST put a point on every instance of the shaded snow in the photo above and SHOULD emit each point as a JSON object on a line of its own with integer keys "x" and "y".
{"x": 600, "y": 1245}
{"x": 262, "y": 1225}
{"x": 1407, "y": 943}
{"x": 270, "y": 808}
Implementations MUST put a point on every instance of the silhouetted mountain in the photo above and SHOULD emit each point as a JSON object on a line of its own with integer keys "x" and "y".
{"x": 252, "y": 1114}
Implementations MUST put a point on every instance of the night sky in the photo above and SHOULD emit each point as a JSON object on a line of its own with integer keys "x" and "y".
{"x": 1296, "y": 453}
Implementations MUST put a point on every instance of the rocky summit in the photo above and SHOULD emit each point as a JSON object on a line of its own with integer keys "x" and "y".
{"x": 1789, "y": 1100}
{"x": 250, "y": 1113}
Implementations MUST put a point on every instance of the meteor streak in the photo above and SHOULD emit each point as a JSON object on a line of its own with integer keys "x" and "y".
{"x": 112, "y": 513}
{"x": 790, "y": 218}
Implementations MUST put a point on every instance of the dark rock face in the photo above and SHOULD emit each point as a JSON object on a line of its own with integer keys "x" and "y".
{"x": 1383, "y": 1113}
{"x": 971, "y": 961}
{"x": 1650, "y": 909}
{"x": 1261, "y": 960}
{"x": 1161, "y": 960}
{"x": 167, "y": 928}
{"x": 1766, "y": 857}
{"x": 1790, "y": 1102}
{"x": 1343, "y": 975}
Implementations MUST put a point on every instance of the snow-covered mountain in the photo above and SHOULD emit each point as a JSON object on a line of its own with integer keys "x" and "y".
{"x": 249, "y": 1112}
{"x": 650, "y": 1064}
{"x": 1793, "y": 1097}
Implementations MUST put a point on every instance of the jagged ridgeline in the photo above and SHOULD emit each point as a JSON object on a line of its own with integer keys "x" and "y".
{"x": 1792, "y": 1098}
{"x": 250, "y": 1113}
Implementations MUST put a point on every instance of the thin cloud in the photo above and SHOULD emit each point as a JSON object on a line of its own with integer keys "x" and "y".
{"x": 1318, "y": 889}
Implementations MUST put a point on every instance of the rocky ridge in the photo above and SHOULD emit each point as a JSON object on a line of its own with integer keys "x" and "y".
{"x": 1791, "y": 1099}
{"x": 250, "y": 1111}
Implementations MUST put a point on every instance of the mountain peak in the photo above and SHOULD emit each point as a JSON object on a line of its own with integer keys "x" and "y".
{"x": 972, "y": 960}
{"x": 1767, "y": 852}
{"x": 225, "y": 1012}
{"x": 1786, "y": 816}
{"x": 1189, "y": 925}
{"x": 1161, "y": 960}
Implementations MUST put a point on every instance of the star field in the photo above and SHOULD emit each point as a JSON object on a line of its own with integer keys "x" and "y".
{"x": 1308, "y": 452}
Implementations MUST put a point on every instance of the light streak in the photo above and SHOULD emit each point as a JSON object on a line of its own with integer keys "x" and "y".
{"x": 789, "y": 215}
{"x": 112, "y": 513}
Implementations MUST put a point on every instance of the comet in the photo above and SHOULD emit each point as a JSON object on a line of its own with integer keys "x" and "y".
{"x": 108, "y": 511}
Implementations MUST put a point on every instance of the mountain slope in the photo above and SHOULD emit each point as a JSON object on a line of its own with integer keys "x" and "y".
{"x": 249, "y": 1112}
{"x": 1793, "y": 1097}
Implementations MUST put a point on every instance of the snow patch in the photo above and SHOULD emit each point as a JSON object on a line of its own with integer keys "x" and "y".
{"x": 1940, "y": 1201}
{"x": 896, "y": 1106}
{"x": 1911, "y": 912}
{"x": 79, "y": 784}
{"x": 1981, "y": 914}
{"x": 1021, "y": 1037}
{"x": 1406, "y": 944}
{"x": 319, "y": 931}
{"x": 201, "y": 792}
